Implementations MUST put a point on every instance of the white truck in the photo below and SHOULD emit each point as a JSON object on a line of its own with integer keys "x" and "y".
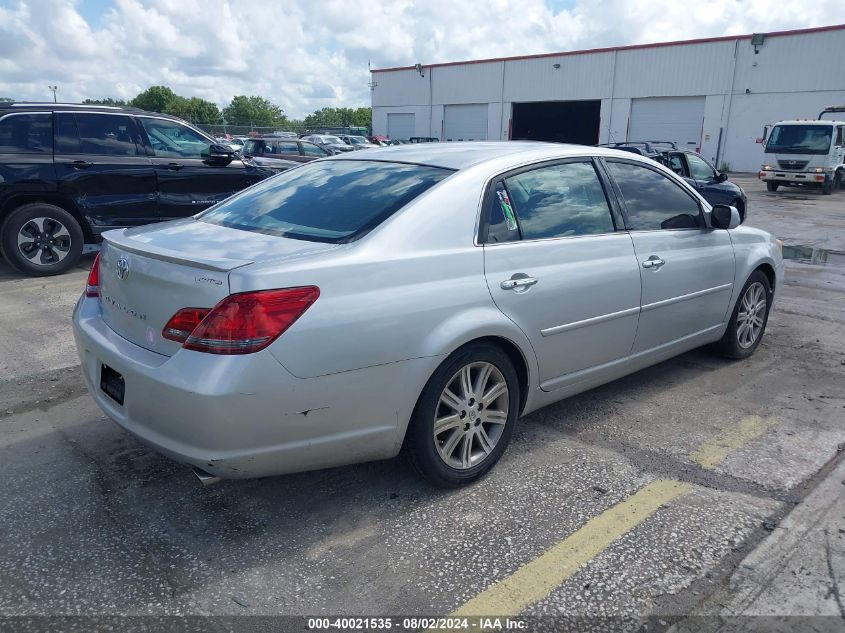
{"x": 805, "y": 152}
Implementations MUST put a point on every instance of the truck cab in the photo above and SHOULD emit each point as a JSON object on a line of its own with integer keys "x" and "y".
{"x": 805, "y": 153}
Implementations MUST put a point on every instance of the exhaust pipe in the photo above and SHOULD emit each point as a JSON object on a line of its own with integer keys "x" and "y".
{"x": 206, "y": 479}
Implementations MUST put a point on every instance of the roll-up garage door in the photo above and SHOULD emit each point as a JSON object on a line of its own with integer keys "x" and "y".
{"x": 677, "y": 119}
{"x": 466, "y": 122}
{"x": 400, "y": 125}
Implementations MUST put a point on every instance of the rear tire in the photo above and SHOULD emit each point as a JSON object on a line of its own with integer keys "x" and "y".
{"x": 772, "y": 186}
{"x": 748, "y": 320}
{"x": 476, "y": 422}
{"x": 41, "y": 239}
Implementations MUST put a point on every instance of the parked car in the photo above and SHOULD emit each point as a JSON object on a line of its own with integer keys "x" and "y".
{"x": 69, "y": 172}
{"x": 712, "y": 184}
{"x": 358, "y": 304}
{"x": 381, "y": 141}
{"x": 357, "y": 142}
{"x": 269, "y": 151}
{"x": 328, "y": 142}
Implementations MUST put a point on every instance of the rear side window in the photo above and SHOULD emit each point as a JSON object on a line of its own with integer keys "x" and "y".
{"x": 284, "y": 147}
{"x": 26, "y": 134}
{"x": 326, "y": 201}
{"x": 310, "y": 149}
{"x": 99, "y": 134}
{"x": 653, "y": 201}
{"x": 562, "y": 200}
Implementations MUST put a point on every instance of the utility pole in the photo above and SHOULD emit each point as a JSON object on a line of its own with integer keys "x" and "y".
{"x": 53, "y": 88}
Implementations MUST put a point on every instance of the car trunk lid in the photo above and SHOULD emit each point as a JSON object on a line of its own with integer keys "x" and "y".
{"x": 147, "y": 274}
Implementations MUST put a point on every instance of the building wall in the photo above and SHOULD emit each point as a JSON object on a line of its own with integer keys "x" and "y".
{"x": 793, "y": 76}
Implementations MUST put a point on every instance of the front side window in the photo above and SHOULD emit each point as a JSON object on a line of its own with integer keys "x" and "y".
{"x": 653, "y": 200}
{"x": 170, "y": 139}
{"x": 800, "y": 139}
{"x": 26, "y": 134}
{"x": 309, "y": 149}
{"x": 97, "y": 134}
{"x": 560, "y": 201}
{"x": 700, "y": 169}
{"x": 326, "y": 201}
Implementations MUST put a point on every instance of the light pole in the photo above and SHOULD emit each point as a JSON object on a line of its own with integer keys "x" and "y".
{"x": 53, "y": 88}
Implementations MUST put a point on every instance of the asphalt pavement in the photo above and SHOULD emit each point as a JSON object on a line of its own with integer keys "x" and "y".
{"x": 670, "y": 497}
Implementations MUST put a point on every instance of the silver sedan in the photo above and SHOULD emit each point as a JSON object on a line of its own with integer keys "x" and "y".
{"x": 421, "y": 297}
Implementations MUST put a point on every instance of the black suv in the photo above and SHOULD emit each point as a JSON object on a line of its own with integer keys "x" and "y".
{"x": 69, "y": 172}
{"x": 712, "y": 184}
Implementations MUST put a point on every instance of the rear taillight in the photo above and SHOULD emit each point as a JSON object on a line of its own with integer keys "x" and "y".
{"x": 180, "y": 326}
{"x": 242, "y": 323}
{"x": 92, "y": 288}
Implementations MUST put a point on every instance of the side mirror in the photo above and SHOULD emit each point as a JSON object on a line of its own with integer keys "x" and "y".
{"x": 220, "y": 154}
{"x": 721, "y": 176}
{"x": 723, "y": 216}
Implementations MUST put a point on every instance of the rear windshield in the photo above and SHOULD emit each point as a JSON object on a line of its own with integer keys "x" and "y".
{"x": 326, "y": 201}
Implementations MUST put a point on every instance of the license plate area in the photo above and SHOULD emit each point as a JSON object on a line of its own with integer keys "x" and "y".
{"x": 112, "y": 384}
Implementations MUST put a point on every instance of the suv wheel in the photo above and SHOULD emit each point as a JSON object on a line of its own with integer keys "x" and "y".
{"x": 41, "y": 239}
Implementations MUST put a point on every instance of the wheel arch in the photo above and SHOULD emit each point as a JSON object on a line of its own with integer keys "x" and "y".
{"x": 16, "y": 201}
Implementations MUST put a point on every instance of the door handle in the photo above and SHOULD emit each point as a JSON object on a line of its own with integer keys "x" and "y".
{"x": 174, "y": 166}
{"x": 653, "y": 262}
{"x": 519, "y": 282}
{"x": 81, "y": 164}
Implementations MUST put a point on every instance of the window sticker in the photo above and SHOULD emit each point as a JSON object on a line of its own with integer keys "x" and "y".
{"x": 505, "y": 201}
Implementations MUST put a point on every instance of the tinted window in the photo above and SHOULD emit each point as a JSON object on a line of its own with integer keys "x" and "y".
{"x": 170, "y": 139}
{"x": 26, "y": 134}
{"x": 103, "y": 134}
{"x": 699, "y": 168}
{"x": 329, "y": 201}
{"x": 502, "y": 223}
{"x": 560, "y": 200}
{"x": 653, "y": 201}
{"x": 312, "y": 150}
{"x": 283, "y": 147}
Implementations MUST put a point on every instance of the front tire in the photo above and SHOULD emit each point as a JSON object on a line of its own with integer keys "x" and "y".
{"x": 772, "y": 186}
{"x": 749, "y": 318}
{"x": 40, "y": 239}
{"x": 464, "y": 417}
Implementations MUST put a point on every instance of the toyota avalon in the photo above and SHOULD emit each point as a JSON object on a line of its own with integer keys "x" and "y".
{"x": 415, "y": 300}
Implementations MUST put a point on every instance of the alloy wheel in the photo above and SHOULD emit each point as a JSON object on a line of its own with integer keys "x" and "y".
{"x": 751, "y": 315}
{"x": 44, "y": 241}
{"x": 471, "y": 415}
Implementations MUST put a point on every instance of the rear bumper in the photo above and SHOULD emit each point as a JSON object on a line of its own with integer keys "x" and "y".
{"x": 803, "y": 177}
{"x": 247, "y": 416}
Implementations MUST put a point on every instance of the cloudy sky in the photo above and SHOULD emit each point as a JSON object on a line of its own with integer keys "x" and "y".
{"x": 307, "y": 54}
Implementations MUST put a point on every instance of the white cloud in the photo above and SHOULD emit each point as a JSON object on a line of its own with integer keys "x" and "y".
{"x": 306, "y": 54}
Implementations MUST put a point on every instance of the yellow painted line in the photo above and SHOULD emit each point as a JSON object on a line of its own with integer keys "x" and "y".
{"x": 714, "y": 452}
{"x": 537, "y": 579}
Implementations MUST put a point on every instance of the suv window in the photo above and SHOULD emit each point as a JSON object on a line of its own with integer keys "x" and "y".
{"x": 653, "y": 200}
{"x": 26, "y": 134}
{"x": 98, "y": 134}
{"x": 171, "y": 139}
{"x": 326, "y": 201}
{"x": 309, "y": 149}
{"x": 699, "y": 168}
{"x": 283, "y": 147}
{"x": 560, "y": 200}
{"x": 676, "y": 164}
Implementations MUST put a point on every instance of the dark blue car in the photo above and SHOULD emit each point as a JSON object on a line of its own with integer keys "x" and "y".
{"x": 712, "y": 184}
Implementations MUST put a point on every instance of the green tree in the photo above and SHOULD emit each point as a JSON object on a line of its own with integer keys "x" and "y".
{"x": 6, "y": 100}
{"x": 339, "y": 117}
{"x": 155, "y": 99}
{"x": 195, "y": 110}
{"x": 108, "y": 101}
{"x": 256, "y": 111}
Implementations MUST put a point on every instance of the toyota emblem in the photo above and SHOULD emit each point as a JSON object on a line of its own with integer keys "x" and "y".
{"x": 122, "y": 268}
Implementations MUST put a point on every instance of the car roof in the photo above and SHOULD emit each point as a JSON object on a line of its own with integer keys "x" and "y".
{"x": 463, "y": 154}
{"x": 49, "y": 106}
